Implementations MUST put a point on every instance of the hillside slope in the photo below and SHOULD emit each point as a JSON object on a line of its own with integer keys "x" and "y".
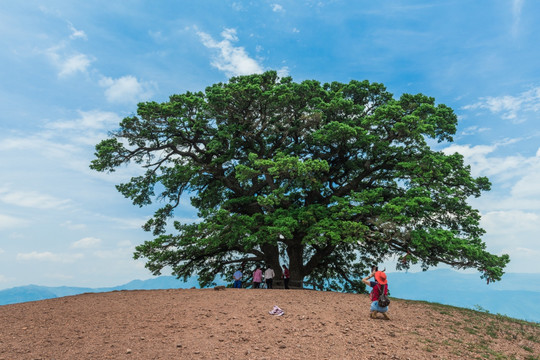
{"x": 442, "y": 286}
{"x": 235, "y": 324}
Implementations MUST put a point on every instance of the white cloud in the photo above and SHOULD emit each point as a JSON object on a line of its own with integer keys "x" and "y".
{"x": 7, "y": 222}
{"x": 122, "y": 252}
{"x": 69, "y": 144}
{"x": 471, "y": 130}
{"x": 76, "y": 34}
{"x": 510, "y": 107}
{"x": 277, "y": 8}
{"x": 49, "y": 256}
{"x": 522, "y": 259}
{"x": 49, "y": 11}
{"x": 67, "y": 64}
{"x": 232, "y": 60}
{"x": 32, "y": 199}
{"x": 470, "y": 153}
{"x": 229, "y": 34}
{"x": 126, "y": 89}
{"x": 529, "y": 185}
{"x": 66, "y": 137}
{"x": 67, "y": 149}
{"x": 1, "y": 251}
{"x": 156, "y": 35}
{"x": 506, "y": 222}
{"x": 37, "y": 142}
{"x": 89, "y": 120}
{"x": 73, "y": 64}
{"x": 128, "y": 223}
{"x": 515, "y": 178}
{"x": 66, "y": 60}
{"x": 526, "y": 252}
{"x": 237, "y": 6}
{"x": 70, "y": 225}
{"x": 125, "y": 243}
{"x": 517, "y": 6}
{"x": 86, "y": 243}
{"x": 513, "y": 232}
{"x": 482, "y": 165}
{"x": 284, "y": 71}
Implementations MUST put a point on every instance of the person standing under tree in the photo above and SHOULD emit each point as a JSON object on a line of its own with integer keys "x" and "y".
{"x": 237, "y": 279}
{"x": 380, "y": 284}
{"x": 286, "y": 276}
{"x": 257, "y": 277}
{"x": 269, "y": 277}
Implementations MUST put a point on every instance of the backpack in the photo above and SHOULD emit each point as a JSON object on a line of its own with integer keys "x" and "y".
{"x": 384, "y": 301}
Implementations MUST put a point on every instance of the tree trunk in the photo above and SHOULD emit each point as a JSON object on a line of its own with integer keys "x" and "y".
{"x": 271, "y": 258}
{"x": 295, "y": 251}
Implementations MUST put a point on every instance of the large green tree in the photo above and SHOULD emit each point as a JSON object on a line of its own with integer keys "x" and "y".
{"x": 328, "y": 178}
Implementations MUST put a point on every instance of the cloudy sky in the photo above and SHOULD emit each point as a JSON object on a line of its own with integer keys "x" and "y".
{"x": 71, "y": 70}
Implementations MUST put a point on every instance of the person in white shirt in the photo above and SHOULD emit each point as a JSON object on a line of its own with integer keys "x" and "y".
{"x": 269, "y": 277}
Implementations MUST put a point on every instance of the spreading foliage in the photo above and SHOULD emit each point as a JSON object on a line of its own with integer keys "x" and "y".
{"x": 328, "y": 178}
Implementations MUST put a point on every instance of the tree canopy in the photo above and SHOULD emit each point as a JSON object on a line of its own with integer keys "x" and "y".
{"x": 327, "y": 178}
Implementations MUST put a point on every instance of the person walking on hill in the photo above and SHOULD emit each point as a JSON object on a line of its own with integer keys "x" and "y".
{"x": 237, "y": 279}
{"x": 269, "y": 277}
{"x": 286, "y": 276}
{"x": 257, "y": 277}
{"x": 379, "y": 285}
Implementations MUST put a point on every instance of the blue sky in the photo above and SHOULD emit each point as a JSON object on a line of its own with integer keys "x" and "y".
{"x": 71, "y": 70}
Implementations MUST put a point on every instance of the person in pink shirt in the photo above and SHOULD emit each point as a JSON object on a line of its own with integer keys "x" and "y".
{"x": 257, "y": 278}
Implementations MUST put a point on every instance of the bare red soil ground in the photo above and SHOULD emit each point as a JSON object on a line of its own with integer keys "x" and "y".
{"x": 235, "y": 324}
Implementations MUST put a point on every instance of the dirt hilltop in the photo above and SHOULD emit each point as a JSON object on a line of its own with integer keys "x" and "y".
{"x": 235, "y": 324}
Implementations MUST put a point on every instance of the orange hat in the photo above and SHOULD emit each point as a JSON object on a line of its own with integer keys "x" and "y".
{"x": 380, "y": 277}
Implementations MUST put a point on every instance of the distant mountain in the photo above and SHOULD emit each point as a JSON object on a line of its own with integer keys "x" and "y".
{"x": 517, "y": 295}
{"x": 25, "y": 293}
{"x": 160, "y": 282}
{"x": 442, "y": 279}
{"x": 35, "y": 292}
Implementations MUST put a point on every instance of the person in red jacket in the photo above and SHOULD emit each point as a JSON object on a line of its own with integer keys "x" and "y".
{"x": 286, "y": 276}
{"x": 380, "y": 284}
